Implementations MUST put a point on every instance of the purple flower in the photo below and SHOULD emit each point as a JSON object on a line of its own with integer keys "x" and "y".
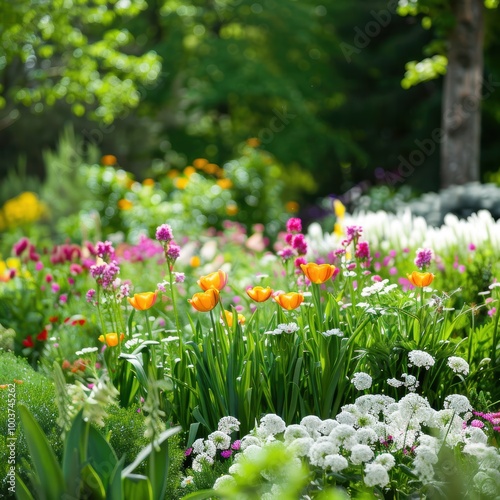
{"x": 226, "y": 453}
{"x": 362, "y": 251}
{"x": 299, "y": 261}
{"x": 164, "y": 233}
{"x": 424, "y": 257}
{"x": 353, "y": 232}
{"x": 188, "y": 452}
{"x": 299, "y": 244}
{"x": 477, "y": 423}
{"x": 236, "y": 445}
{"x": 105, "y": 249}
{"x": 294, "y": 225}
{"x": 286, "y": 253}
{"x": 125, "y": 290}
{"x": 173, "y": 251}
{"x": 90, "y": 296}
{"x": 20, "y": 246}
{"x": 105, "y": 274}
{"x": 179, "y": 277}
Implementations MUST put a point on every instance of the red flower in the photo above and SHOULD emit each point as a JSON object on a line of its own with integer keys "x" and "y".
{"x": 54, "y": 319}
{"x": 42, "y": 335}
{"x": 28, "y": 342}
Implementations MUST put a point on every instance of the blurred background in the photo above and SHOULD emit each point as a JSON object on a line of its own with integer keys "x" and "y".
{"x": 288, "y": 102}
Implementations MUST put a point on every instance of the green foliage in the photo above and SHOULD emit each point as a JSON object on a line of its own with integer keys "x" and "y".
{"x": 36, "y": 391}
{"x": 73, "y": 52}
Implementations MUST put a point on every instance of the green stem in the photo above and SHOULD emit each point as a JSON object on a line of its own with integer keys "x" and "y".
{"x": 174, "y": 304}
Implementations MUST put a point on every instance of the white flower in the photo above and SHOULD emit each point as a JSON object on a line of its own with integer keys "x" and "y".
{"x": 386, "y": 460}
{"x": 334, "y": 331}
{"x": 411, "y": 382}
{"x": 228, "y": 425}
{"x": 327, "y": 426}
{"x": 224, "y": 482}
{"x": 336, "y": 462}
{"x": 366, "y": 435}
{"x": 204, "y": 446}
{"x": 458, "y": 365}
{"x": 301, "y": 446}
{"x": 394, "y": 382}
{"x": 320, "y": 450}
{"x": 421, "y": 358}
{"x": 200, "y": 460}
{"x": 271, "y": 424}
{"x": 458, "y": 403}
{"x": 288, "y": 327}
{"x": 311, "y": 423}
{"x": 249, "y": 441}
{"x": 221, "y": 440}
{"x": 361, "y": 453}
{"x": 345, "y": 417}
{"x": 361, "y": 381}
{"x": 187, "y": 481}
{"x": 295, "y": 431}
{"x": 376, "y": 475}
{"x": 86, "y": 350}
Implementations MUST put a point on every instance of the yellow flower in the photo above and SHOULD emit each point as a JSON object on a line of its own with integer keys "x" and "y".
{"x": 224, "y": 183}
{"x": 195, "y": 261}
{"x": 205, "y": 301}
{"x": 229, "y": 318}
{"x": 231, "y": 208}
{"x": 419, "y": 279}
{"x": 292, "y": 207}
{"x": 253, "y": 142}
{"x": 181, "y": 182}
{"x": 125, "y": 204}
{"x": 109, "y": 160}
{"x": 200, "y": 162}
{"x": 143, "y": 301}
{"x": 148, "y": 182}
{"x": 259, "y": 293}
{"x": 172, "y": 174}
{"x": 318, "y": 273}
{"x": 217, "y": 280}
{"x": 211, "y": 168}
{"x": 111, "y": 339}
{"x": 189, "y": 171}
{"x": 337, "y": 229}
{"x": 290, "y": 300}
{"x": 339, "y": 209}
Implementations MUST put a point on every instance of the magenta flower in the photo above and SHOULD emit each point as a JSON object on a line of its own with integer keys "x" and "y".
{"x": 173, "y": 251}
{"x": 104, "y": 249}
{"x": 294, "y": 225}
{"x": 164, "y": 233}
{"x": 423, "y": 258}
{"x": 20, "y": 246}
{"x": 362, "y": 251}
{"x": 236, "y": 445}
{"x": 226, "y": 453}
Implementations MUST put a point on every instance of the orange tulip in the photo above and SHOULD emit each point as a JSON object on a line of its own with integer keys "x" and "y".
{"x": 229, "y": 318}
{"x": 205, "y": 301}
{"x": 111, "y": 339}
{"x": 259, "y": 293}
{"x": 143, "y": 301}
{"x": 290, "y": 300}
{"x": 420, "y": 279}
{"x": 318, "y": 273}
{"x": 217, "y": 280}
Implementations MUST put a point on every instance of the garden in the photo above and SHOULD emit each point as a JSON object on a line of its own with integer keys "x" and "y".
{"x": 228, "y": 269}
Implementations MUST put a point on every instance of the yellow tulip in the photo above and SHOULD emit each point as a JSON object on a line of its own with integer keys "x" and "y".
{"x": 111, "y": 339}
{"x": 229, "y": 318}
{"x": 217, "y": 280}
{"x": 420, "y": 279}
{"x": 143, "y": 301}
{"x": 259, "y": 293}
{"x": 318, "y": 273}
{"x": 205, "y": 301}
{"x": 290, "y": 300}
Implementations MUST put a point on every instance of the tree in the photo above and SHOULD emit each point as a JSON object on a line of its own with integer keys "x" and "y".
{"x": 460, "y": 24}
{"x": 71, "y": 51}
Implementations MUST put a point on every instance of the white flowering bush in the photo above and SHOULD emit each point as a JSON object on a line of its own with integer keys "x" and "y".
{"x": 376, "y": 445}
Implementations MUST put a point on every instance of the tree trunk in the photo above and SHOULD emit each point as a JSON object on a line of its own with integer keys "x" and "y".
{"x": 461, "y": 119}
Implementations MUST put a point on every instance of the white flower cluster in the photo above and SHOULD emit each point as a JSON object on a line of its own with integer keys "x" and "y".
{"x": 362, "y": 381}
{"x": 458, "y": 365}
{"x": 410, "y": 382}
{"x": 421, "y": 359}
{"x": 378, "y": 288}
{"x": 284, "y": 328}
{"x": 371, "y": 433}
{"x": 205, "y": 450}
{"x": 333, "y": 332}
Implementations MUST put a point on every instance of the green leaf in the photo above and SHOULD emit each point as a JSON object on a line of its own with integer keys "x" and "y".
{"x": 139, "y": 369}
{"x": 158, "y": 464}
{"x": 145, "y": 452}
{"x": 137, "y": 487}
{"x": 200, "y": 495}
{"x": 115, "y": 486}
{"x": 72, "y": 457}
{"x": 22, "y": 492}
{"x": 92, "y": 483}
{"x": 42, "y": 456}
{"x": 193, "y": 431}
{"x": 101, "y": 455}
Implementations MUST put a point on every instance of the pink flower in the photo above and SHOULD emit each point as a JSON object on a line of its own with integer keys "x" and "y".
{"x": 39, "y": 266}
{"x": 55, "y": 287}
{"x": 294, "y": 225}
{"x": 226, "y": 453}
